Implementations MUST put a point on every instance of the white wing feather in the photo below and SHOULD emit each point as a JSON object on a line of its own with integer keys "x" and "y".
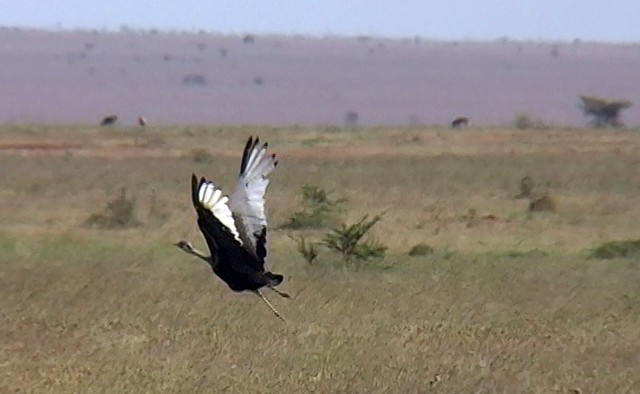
{"x": 247, "y": 200}
{"x": 212, "y": 199}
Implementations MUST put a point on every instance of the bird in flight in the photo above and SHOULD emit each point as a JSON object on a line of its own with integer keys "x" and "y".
{"x": 235, "y": 226}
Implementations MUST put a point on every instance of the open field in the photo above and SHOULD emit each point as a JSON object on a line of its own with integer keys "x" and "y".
{"x": 284, "y": 80}
{"x": 510, "y": 301}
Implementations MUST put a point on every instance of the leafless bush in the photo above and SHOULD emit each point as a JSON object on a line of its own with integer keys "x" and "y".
{"x": 119, "y": 214}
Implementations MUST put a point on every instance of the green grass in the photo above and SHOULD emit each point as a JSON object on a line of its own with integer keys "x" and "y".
{"x": 511, "y": 304}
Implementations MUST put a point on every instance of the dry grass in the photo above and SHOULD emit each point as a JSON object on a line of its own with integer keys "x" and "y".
{"x": 511, "y": 304}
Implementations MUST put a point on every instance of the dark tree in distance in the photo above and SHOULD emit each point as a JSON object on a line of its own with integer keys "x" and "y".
{"x": 604, "y": 112}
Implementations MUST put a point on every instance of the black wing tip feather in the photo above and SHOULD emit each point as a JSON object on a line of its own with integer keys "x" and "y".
{"x": 194, "y": 189}
{"x": 245, "y": 154}
{"x": 252, "y": 143}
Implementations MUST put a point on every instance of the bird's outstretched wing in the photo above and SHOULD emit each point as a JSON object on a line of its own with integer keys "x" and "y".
{"x": 214, "y": 216}
{"x": 247, "y": 199}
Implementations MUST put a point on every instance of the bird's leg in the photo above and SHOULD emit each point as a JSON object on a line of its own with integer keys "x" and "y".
{"x": 280, "y": 293}
{"x": 275, "y": 312}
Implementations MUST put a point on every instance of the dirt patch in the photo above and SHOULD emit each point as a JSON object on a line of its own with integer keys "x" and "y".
{"x": 39, "y": 146}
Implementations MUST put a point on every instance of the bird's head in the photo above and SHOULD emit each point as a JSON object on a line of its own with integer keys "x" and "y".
{"x": 186, "y": 246}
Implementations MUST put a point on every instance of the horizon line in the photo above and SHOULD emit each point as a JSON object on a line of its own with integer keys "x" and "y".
{"x": 417, "y": 38}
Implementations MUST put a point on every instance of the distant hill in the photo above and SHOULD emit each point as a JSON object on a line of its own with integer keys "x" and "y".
{"x": 79, "y": 77}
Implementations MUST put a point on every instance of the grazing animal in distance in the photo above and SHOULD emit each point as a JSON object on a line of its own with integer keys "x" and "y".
{"x": 235, "y": 227}
{"x": 109, "y": 120}
{"x": 460, "y": 122}
{"x": 142, "y": 121}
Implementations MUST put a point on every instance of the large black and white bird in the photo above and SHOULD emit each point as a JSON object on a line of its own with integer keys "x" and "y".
{"x": 235, "y": 227}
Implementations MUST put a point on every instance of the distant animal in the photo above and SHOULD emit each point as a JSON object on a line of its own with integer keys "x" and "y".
{"x": 109, "y": 120}
{"x": 460, "y": 122}
{"x": 235, "y": 227}
{"x": 142, "y": 121}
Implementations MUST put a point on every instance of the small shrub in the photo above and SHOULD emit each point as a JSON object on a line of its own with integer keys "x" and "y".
{"x": 617, "y": 249}
{"x": 525, "y": 122}
{"x": 306, "y": 248}
{"x": 304, "y": 220}
{"x": 421, "y": 249}
{"x": 202, "y": 156}
{"x": 318, "y": 209}
{"x": 526, "y": 187}
{"x": 347, "y": 240}
{"x": 119, "y": 213}
{"x": 543, "y": 203}
{"x": 369, "y": 250}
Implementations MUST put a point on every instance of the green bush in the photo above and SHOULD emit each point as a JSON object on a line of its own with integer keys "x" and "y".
{"x": 617, "y": 249}
{"x": 347, "y": 240}
{"x": 319, "y": 209}
{"x": 421, "y": 249}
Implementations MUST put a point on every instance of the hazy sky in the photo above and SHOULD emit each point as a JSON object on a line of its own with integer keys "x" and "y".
{"x": 618, "y": 20}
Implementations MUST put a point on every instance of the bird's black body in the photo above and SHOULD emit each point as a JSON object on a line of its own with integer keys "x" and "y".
{"x": 235, "y": 226}
{"x": 232, "y": 262}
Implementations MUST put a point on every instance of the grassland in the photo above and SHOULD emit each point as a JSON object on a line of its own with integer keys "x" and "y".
{"x": 510, "y": 301}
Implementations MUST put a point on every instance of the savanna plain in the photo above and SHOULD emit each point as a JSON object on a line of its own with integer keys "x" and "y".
{"x": 507, "y": 300}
